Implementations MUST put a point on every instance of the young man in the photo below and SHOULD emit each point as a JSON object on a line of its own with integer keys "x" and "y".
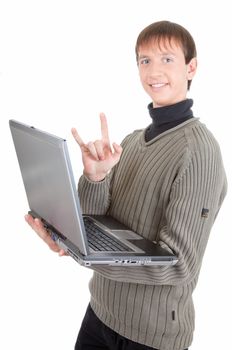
{"x": 166, "y": 182}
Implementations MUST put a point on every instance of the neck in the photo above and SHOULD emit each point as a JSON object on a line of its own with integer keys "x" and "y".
{"x": 167, "y": 117}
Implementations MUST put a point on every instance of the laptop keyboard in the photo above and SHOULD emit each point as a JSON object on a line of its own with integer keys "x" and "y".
{"x": 98, "y": 240}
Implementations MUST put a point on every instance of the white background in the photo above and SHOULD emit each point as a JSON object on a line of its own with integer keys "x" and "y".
{"x": 61, "y": 63}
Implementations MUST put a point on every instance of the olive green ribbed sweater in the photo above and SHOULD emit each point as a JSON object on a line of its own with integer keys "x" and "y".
{"x": 168, "y": 190}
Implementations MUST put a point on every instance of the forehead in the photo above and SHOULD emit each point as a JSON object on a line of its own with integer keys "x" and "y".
{"x": 161, "y": 45}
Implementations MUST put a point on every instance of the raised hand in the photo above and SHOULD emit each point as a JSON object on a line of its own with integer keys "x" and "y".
{"x": 98, "y": 157}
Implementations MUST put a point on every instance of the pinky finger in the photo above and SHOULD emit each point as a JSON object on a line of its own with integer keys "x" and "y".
{"x": 117, "y": 152}
{"x": 117, "y": 148}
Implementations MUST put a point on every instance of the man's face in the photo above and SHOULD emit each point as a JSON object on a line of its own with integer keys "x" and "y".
{"x": 164, "y": 73}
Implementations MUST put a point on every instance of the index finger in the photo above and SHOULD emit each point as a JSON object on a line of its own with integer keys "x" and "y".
{"x": 77, "y": 137}
{"x": 104, "y": 129}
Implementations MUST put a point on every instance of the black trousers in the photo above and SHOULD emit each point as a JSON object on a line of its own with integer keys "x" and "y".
{"x": 95, "y": 335}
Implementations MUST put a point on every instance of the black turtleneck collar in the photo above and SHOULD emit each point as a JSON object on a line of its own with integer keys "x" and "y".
{"x": 167, "y": 117}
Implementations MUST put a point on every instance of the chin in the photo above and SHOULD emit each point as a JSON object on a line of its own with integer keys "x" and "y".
{"x": 165, "y": 102}
{"x": 159, "y": 104}
{"x": 158, "y": 101}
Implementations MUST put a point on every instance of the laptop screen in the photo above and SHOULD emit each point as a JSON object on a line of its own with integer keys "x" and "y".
{"x": 48, "y": 179}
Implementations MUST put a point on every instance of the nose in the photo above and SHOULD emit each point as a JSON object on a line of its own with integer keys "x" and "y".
{"x": 154, "y": 70}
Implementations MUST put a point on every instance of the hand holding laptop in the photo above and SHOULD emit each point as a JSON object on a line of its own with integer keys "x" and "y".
{"x": 98, "y": 157}
{"x": 38, "y": 227}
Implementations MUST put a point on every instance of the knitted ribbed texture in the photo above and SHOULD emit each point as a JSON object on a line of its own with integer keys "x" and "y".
{"x": 168, "y": 190}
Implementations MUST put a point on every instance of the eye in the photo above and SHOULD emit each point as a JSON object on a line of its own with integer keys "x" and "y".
{"x": 167, "y": 59}
{"x": 144, "y": 61}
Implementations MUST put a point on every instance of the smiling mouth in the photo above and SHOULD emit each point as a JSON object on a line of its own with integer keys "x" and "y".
{"x": 157, "y": 85}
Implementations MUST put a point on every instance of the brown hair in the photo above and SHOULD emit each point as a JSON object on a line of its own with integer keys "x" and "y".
{"x": 167, "y": 31}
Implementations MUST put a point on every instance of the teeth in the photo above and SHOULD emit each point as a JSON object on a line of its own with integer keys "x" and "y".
{"x": 157, "y": 85}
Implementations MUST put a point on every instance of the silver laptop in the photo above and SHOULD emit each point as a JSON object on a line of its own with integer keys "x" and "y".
{"x": 52, "y": 196}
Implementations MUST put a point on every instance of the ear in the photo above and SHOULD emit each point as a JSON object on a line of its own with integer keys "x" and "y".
{"x": 191, "y": 68}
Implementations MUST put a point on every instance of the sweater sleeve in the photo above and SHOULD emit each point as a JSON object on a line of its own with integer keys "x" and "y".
{"x": 195, "y": 199}
{"x": 94, "y": 196}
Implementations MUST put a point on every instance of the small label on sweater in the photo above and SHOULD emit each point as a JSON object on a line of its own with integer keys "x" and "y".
{"x": 173, "y": 315}
{"x": 204, "y": 213}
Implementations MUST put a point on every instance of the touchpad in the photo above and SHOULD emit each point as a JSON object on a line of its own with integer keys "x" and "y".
{"x": 126, "y": 234}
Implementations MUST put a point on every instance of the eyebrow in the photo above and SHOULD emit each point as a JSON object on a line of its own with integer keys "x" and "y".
{"x": 163, "y": 53}
{"x": 143, "y": 56}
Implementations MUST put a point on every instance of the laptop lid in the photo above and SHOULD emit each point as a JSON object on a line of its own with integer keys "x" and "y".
{"x": 40, "y": 155}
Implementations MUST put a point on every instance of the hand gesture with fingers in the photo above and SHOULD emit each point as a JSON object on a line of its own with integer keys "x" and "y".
{"x": 98, "y": 157}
